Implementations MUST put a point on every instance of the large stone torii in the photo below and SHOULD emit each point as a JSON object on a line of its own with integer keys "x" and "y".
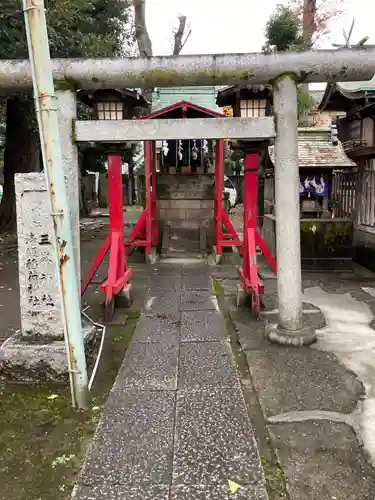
{"x": 283, "y": 70}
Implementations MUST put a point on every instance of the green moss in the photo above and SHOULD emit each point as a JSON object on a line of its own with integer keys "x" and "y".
{"x": 332, "y": 233}
{"x": 74, "y": 137}
{"x": 275, "y": 480}
{"x": 66, "y": 85}
{"x": 293, "y": 76}
{"x": 167, "y": 77}
{"x": 217, "y": 287}
{"x": 43, "y": 441}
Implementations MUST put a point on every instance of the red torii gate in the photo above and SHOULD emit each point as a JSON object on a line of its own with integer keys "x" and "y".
{"x": 146, "y": 234}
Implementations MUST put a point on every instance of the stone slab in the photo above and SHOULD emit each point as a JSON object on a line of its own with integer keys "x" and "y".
{"x": 195, "y": 269}
{"x": 322, "y": 460}
{"x": 162, "y": 268}
{"x": 214, "y": 492}
{"x": 202, "y": 300}
{"x": 143, "y": 491}
{"x": 202, "y": 326}
{"x": 39, "y": 292}
{"x": 149, "y": 366}
{"x": 161, "y": 282}
{"x": 290, "y": 379}
{"x": 206, "y": 364}
{"x": 214, "y": 441}
{"x": 134, "y": 441}
{"x": 198, "y": 281}
{"x": 224, "y": 272}
{"x": 251, "y": 333}
{"x": 152, "y": 329}
{"x": 163, "y": 305}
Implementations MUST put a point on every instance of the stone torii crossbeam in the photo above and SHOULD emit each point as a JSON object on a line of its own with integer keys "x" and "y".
{"x": 283, "y": 70}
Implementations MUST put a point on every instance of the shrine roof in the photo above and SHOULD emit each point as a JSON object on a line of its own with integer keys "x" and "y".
{"x": 183, "y": 109}
{"x": 204, "y": 96}
{"x": 316, "y": 149}
{"x": 339, "y": 95}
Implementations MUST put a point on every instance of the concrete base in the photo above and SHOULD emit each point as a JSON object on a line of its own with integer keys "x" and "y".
{"x": 125, "y": 298}
{"x": 242, "y": 298}
{"x": 152, "y": 257}
{"x": 298, "y": 338}
{"x": 217, "y": 258}
{"x": 22, "y": 360}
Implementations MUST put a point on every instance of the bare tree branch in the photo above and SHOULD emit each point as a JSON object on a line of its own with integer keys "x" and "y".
{"x": 144, "y": 40}
{"x": 141, "y": 33}
{"x": 186, "y": 39}
{"x": 178, "y": 35}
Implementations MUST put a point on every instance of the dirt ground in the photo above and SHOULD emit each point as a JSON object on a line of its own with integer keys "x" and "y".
{"x": 236, "y": 216}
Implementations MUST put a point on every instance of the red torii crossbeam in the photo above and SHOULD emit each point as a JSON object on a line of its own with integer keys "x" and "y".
{"x": 119, "y": 274}
{"x": 248, "y": 273}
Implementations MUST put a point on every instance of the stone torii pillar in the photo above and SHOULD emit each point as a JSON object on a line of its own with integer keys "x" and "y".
{"x": 67, "y": 104}
{"x": 290, "y": 329}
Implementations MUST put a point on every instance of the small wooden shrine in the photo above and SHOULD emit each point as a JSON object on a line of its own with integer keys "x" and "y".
{"x": 326, "y": 240}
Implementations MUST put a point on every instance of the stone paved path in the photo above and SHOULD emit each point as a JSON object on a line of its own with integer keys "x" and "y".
{"x": 175, "y": 425}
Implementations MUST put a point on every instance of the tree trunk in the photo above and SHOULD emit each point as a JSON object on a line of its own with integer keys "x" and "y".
{"x": 309, "y": 20}
{"x": 178, "y": 43}
{"x": 21, "y": 154}
{"x": 143, "y": 42}
{"x": 309, "y": 28}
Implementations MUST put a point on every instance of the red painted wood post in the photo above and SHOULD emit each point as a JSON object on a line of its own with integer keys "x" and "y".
{"x": 148, "y": 161}
{"x": 155, "y": 232}
{"x": 250, "y": 205}
{"x": 219, "y": 185}
{"x": 216, "y": 208}
{"x": 115, "y": 202}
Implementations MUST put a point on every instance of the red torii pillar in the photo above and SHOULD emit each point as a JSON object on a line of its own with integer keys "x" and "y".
{"x": 119, "y": 275}
{"x": 145, "y": 233}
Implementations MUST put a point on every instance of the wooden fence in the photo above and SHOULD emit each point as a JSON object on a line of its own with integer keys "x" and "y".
{"x": 343, "y": 193}
{"x": 366, "y": 198}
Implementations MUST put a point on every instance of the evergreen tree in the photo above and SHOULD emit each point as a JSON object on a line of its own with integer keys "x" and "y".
{"x": 284, "y": 32}
{"x": 76, "y": 28}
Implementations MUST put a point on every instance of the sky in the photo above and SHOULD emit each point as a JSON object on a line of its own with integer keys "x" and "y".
{"x": 230, "y": 26}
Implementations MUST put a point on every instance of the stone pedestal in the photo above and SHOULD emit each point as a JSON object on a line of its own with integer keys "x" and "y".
{"x": 38, "y": 352}
{"x": 39, "y": 292}
{"x": 186, "y": 201}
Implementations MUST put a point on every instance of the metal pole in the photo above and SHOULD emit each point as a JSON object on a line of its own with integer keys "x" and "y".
{"x": 47, "y": 114}
{"x": 290, "y": 328}
{"x": 221, "y": 69}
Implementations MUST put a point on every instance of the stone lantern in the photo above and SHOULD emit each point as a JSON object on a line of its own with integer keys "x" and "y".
{"x": 112, "y": 104}
{"x": 250, "y": 101}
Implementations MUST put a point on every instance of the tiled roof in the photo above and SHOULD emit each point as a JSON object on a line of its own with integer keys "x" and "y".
{"x": 368, "y": 86}
{"x": 316, "y": 149}
{"x": 201, "y": 96}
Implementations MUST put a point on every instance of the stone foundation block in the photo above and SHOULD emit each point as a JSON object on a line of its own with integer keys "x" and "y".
{"x": 22, "y": 360}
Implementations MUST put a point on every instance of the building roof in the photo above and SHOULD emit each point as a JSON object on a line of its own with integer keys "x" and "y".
{"x": 204, "y": 96}
{"x": 348, "y": 90}
{"x": 87, "y": 96}
{"x": 225, "y": 95}
{"x": 355, "y": 87}
{"x": 317, "y": 150}
{"x": 183, "y": 109}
